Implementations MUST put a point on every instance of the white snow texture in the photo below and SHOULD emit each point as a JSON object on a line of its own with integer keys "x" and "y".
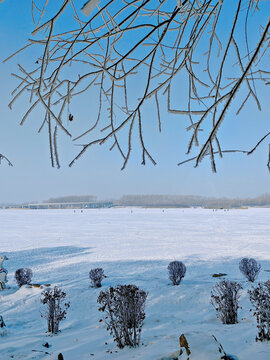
{"x": 133, "y": 246}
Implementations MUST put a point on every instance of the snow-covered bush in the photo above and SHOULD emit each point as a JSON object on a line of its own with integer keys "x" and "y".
{"x": 96, "y": 276}
{"x": 250, "y": 268}
{"x": 177, "y": 271}
{"x": 3, "y": 273}
{"x": 260, "y": 299}
{"x": 124, "y": 313}
{"x": 224, "y": 297}
{"x": 56, "y": 307}
{"x": 23, "y": 276}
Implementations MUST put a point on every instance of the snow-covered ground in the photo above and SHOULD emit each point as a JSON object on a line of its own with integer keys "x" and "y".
{"x": 134, "y": 246}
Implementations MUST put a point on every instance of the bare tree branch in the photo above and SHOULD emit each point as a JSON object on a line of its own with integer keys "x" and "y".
{"x": 174, "y": 55}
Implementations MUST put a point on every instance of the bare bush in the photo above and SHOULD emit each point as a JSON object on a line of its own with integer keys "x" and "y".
{"x": 2, "y": 323}
{"x": 3, "y": 332}
{"x": 56, "y": 307}
{"x": 225, "y": 297}
{"x": 96, "y": 276}
{"x": 23, "y": 276}
{"x": 260, "y": 299}
{"x": 177, "y": 271}
{"x": 124, "y": 308}
{"x": 250, "y": 268}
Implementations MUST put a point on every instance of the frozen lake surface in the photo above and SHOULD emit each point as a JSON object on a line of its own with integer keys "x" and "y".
{"x": 134, "y": 246}
{"x": 141, "y": 234}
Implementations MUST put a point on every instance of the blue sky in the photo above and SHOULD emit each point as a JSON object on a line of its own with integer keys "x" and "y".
{"x": 98, "y": 172}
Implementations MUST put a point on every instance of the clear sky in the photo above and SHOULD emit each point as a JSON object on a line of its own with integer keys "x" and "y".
{"x": 98, "y": 172}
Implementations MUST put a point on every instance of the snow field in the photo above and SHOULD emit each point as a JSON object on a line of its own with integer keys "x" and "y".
{"x": 133, "y": 247}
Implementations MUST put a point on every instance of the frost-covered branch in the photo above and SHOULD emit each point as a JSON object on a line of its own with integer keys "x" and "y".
{"x": 124, "y": 54}
{"x": 2, "y": 157}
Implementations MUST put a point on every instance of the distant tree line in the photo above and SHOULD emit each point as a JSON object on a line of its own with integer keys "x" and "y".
{"x": 71, "y": 199}
{"x": 182, "y": 201}
{"x": 186, "y": 201}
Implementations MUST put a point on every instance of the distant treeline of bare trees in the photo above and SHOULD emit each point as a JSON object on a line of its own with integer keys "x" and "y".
{"x": 183, "y": 201}
{"x": 72, "y": 199}
{"x": 192, "y": 200}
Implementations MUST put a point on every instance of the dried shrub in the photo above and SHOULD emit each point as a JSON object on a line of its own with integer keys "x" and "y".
{"x": 124, "y": 313}
{"x": 96, "y": 276}
{"x": 177, "y": 271}
{"x": 23, "y": 276}
{"x": 219, "y": 275}
{"x": 56, "y": 307}
{"x": 184, "y": 344}
{"x": 225, "y": 297}
{"x": 250, "y": 268}
{"x": 2, "y": 323}
{"x": 223, "y": 354}
{"x": 260, "y": 299}
{"x": 3, "y": 332}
